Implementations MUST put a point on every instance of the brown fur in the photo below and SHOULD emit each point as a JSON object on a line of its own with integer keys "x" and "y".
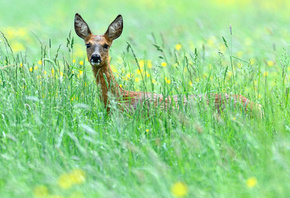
{"x": 105, "y": 78}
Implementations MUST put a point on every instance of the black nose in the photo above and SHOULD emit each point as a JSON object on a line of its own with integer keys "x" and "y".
{"x": 95, "y": 58}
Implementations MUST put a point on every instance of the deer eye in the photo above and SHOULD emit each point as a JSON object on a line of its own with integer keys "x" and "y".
{"x": 106, "y": 46}
{"x": 88, "y": 45}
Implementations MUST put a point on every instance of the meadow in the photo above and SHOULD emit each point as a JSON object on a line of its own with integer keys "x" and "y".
{"x": 58, "y": 141}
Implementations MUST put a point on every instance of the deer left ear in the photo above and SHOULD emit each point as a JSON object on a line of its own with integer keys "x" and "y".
{"x": 115, "y": 29}
{"x": 81, "y": 27}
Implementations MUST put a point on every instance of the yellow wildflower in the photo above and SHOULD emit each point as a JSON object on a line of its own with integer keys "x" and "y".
{"x": 179, "y": 189}
{"x": 55, "y": 196}
{"x": 77, "y": 195}
{"x": 239, "y": 54}
{"x": 74, "y": 60}
{"x": 81, "y": 62}
{"x": 141, "y": 63}
{"x": 252, "y": 61}
{"x": 222, "y": 48}
{"x": 248, "y": 41}
{"x": 270, "y": 63}
{"x": 265, "y": 74}
{"x": 211, "y": 41}
{"x": 78, "y": 51}
{"x": 163, "y": 64}
{"x": 114, "y": 68}
{"x": 77, "y": 176}
{"x": 64, "y": 180}
{"x": 149, "y": 64}
{"x": 192, "y": 46}
{"x": 39, "y": 62}
{"x": 147, "y": 130}
{"x": 251, "y": 182}
{"x": 137, "y": 79}
{"x": 147, "y": 74}
{"x": 128, "y": 76}
{"x": 40, "y": 191}
{"x": 17, "y": 47}
{"x": 20, "y": 65}
{"x": 154, "y": 81}
{"x": 178, "y": 47}
{"x": 36, "y": 67}
{"x": 80, "y": 72}
{"x": 167, "y": 80}
{"x": 67, "y": 180}
{"x": 30, "y": 69}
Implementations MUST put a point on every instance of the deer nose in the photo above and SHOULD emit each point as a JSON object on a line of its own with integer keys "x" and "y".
{"x": 95, "y": 58}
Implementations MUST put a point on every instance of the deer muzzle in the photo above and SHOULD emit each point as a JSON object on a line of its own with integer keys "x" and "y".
{"x": 95, "y": 59}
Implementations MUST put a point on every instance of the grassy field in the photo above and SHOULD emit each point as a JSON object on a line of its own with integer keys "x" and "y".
{"x": 56, "y": 139}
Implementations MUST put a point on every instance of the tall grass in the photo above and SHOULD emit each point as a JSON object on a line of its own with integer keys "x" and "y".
{"x": 57, "y": 140}
{"x": 52, "y": 122}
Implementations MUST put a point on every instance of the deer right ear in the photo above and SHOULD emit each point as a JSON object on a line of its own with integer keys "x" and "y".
{"x": 81, "y": 27}
{"x": 115, "y": 29}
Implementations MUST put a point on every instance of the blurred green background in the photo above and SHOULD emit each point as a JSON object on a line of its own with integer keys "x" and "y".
{"x": 257, "y": 24}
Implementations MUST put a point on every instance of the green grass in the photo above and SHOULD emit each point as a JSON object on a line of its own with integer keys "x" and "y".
{"x": 56, "y": 139}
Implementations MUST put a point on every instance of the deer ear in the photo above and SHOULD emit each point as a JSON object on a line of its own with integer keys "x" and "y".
{"x": 81, "y": 27}
{"x": 115, "y": 28}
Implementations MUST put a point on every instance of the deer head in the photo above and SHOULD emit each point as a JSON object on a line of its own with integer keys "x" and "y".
{"x": 98, "y": 45}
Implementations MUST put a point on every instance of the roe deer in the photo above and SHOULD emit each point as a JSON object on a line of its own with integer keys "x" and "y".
{"x": 98, "y": 55}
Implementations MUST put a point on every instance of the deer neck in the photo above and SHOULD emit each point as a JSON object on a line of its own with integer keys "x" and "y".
{"x": 106, "y": 80}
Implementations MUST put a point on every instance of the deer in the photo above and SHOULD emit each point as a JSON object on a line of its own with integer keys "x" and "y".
{"x": 98, "y": 47}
